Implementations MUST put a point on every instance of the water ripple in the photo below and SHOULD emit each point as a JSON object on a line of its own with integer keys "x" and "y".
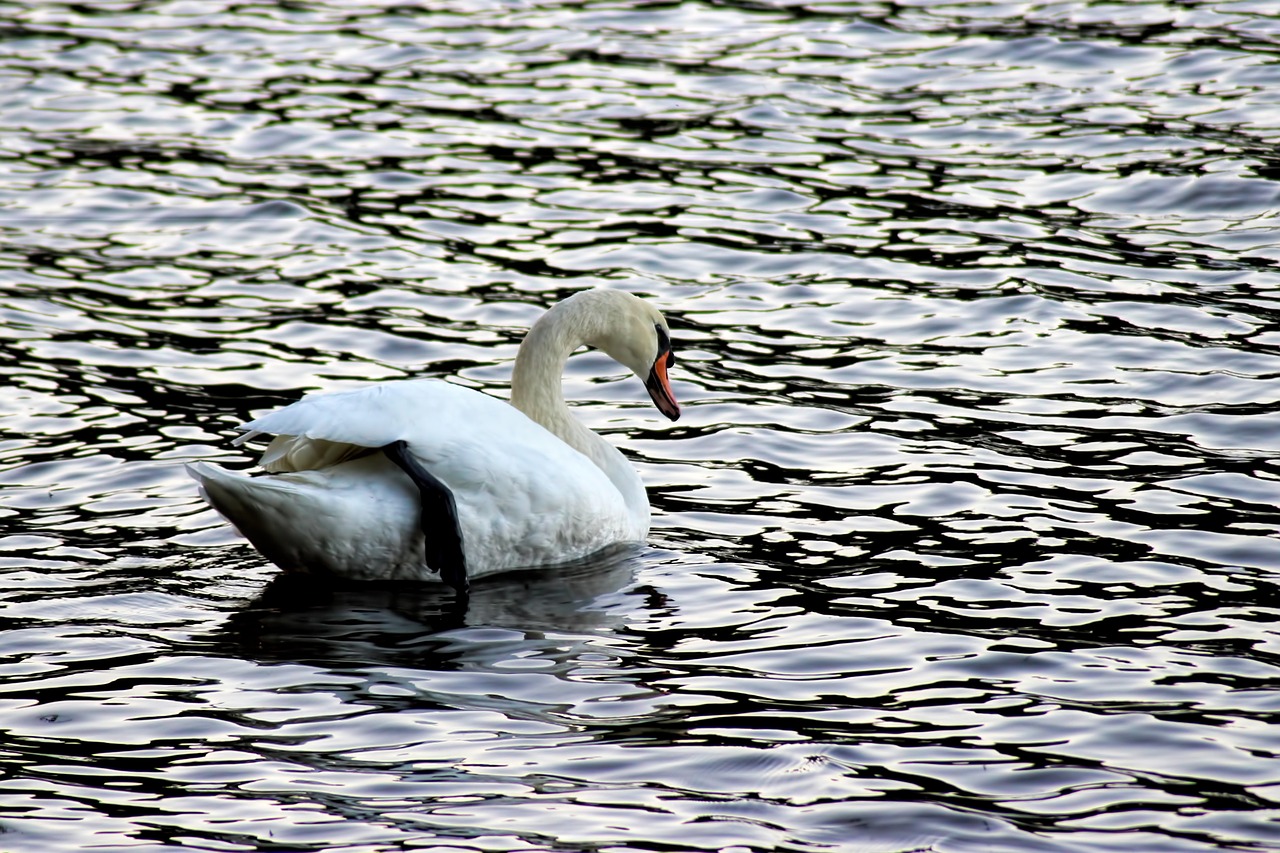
{"x": 965, "y": 541}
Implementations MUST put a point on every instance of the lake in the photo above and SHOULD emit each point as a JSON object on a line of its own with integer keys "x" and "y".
{"x": 966, "y": 540}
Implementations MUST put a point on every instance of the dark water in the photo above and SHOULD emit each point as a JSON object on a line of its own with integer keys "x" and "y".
{"x": 967, "y": 540}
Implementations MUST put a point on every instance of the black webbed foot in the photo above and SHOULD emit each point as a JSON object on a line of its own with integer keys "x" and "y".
{"x": 440, "y": 525}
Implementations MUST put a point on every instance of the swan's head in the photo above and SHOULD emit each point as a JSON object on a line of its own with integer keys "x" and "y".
{"x": 635, "y": 334}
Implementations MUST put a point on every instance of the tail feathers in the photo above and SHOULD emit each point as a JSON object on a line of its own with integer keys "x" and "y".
{"x": 249, "y": 503}
{"x": 229, "y": 493}
{"x": 360, "y": 519}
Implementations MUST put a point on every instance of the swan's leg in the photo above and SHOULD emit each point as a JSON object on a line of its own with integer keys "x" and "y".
{"x": 439, "y": 518}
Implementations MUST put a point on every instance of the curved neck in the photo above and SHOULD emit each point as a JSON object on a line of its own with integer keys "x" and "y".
{"x": 535, "y": 379}
{"x": 536, "y": 391}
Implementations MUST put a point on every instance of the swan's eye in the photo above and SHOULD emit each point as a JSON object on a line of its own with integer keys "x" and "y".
{"x": 664, "y": 345}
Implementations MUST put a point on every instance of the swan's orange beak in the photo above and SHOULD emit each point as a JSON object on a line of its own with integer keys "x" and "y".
{"x": 660, "y": 388}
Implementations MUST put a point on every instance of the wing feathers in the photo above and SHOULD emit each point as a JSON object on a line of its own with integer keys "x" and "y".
{"x": 372, "y": 416}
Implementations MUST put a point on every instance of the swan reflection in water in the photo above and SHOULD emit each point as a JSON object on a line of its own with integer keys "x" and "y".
{"x": 309, "y": 617}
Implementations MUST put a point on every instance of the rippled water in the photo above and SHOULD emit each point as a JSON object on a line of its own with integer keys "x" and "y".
{"x": 966, "y": 541}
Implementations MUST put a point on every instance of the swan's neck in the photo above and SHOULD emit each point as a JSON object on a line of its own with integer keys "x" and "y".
{"x": 536, "y": 391}
{"x": 535, "y": 380}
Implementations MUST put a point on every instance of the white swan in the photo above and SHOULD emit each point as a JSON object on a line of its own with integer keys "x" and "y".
{"x": 406, "y": 479}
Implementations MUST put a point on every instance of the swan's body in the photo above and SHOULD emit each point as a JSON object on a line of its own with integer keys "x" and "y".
{"x": 528, "y": 485}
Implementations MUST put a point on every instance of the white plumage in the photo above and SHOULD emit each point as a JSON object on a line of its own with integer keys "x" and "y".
{"x": 531, "y": 485}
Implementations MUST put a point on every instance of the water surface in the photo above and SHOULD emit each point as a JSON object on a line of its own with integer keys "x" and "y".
{"x": 966, "y": 540}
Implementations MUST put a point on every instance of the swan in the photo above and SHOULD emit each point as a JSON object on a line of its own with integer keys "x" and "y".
{"x": 416, "y": 478}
